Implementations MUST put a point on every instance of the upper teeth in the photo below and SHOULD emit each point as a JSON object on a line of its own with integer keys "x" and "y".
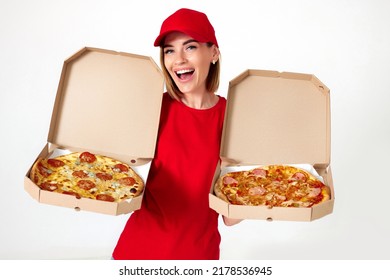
{"x": 183, "y": 71}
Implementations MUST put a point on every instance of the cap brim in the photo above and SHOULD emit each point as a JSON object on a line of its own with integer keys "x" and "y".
{"x": 160, "y": 38}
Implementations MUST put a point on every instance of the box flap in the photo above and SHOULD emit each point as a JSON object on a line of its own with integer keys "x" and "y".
{"x": 108, "y": 101}
{"x": 277, "y": 118}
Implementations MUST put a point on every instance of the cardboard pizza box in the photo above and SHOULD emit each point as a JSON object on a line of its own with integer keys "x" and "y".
{"x": 276, "y": 118}
{"x": 107, "y": 103}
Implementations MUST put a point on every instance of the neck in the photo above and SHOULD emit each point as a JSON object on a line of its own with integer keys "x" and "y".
{"x": 204, "y": 101}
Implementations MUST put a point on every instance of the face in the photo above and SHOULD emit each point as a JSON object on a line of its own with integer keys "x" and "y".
{"x": 188, "y": 62}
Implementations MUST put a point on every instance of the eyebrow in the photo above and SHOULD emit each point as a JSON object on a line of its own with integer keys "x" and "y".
{"x": 184, "y": 43}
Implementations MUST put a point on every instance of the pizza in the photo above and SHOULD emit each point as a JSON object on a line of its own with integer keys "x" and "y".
{"x": 272, "y": 185}
{"x": 87, "y": 175}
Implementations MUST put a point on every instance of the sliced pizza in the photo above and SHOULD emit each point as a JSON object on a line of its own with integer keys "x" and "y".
{"x": 84, "y": 174}
{"x": 273, "y": 185}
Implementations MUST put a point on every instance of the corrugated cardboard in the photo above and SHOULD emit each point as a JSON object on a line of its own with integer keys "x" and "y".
{"x": 107, "y": 103}
{"x": 276, "y": 118}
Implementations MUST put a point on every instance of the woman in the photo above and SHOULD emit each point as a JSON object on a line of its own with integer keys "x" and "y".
{"x": 175, "y": 221}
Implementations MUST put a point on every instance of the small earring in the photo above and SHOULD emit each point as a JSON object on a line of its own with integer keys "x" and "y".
{"x": 214, "y": 61}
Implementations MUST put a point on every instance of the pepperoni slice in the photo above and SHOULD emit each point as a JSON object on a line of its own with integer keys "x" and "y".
{"x": 316, "y": 184}
{"x": 257, "y": 191}
{"x": 45, "y": 172}
{"x": 87, "y": 157}
{"x": 259, "y": 172}
{"x": 72, "y": 193}
{"x": 105, "y": 197}
{"x": 86, "y": 184}
{"x": 299, "y": 176}
{"x": 80, "y": 174}
{"x": 314, "y": 192}
{"x": 49, "y": 186}
{"x": 55, "y": 162}
{"x": 121, "y": 167}
{"x": 128, "y": 181}
{"x": 104, "y": 176}
{"x": 229, "y": 180}
{"x": 317, "y": 199}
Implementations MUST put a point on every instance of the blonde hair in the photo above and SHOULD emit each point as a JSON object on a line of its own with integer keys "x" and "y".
{"x": 212, "y": 81}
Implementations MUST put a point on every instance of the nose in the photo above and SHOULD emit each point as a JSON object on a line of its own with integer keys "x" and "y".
{"x": 180, "y": 58}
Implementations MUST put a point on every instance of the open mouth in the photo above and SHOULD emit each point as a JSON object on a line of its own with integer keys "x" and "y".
{"x": 185, "y": 74}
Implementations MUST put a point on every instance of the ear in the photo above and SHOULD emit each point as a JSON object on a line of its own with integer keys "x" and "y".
{"x": 214, "y": 53}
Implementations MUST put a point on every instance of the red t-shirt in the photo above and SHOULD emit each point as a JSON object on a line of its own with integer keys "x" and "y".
{"x": 175, "y": 220}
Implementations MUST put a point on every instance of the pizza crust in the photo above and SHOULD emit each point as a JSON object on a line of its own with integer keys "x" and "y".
{"x": 34, "y": 170}
{"x": 218, "y": 190}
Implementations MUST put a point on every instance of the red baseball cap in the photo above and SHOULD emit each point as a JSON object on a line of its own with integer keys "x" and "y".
{"x": 190, "y": 22}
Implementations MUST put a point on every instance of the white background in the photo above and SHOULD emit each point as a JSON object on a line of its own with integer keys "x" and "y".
{"x": 346, "y": 44}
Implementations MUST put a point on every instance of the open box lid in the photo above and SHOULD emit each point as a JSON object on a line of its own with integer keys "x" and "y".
{"x": 108, "y": 102}
{"x": 277, "y": 118}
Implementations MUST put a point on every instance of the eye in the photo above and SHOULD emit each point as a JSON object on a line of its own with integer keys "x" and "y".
{"x": 168, "y": 51}
{"x": 191, "y": 47}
